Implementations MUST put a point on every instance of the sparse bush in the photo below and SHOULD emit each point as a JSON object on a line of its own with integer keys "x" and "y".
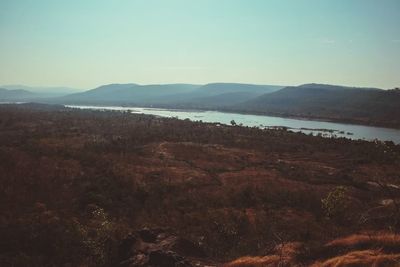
{"x": 335, "y": 203}
{"x": 232, "y": 188}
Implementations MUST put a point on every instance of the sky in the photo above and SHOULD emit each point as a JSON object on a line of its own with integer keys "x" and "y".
{"x": 87, "y": 43}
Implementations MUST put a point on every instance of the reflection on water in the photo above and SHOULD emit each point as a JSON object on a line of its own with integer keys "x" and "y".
{"x": 327, "y": 129}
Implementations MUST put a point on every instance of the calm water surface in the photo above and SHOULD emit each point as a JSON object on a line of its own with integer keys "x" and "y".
{"x": 306, "y": 126}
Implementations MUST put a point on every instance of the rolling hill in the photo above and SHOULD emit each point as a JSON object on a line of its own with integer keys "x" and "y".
{"x": 174, "y": 95}
{"x": 121, "y": 189}
{"x": 370, "y": 106}
{"x": 15, "y": 95}
{"x": 44, "y": 91}
{"x": 125, "y": 94}
{"x": 329, "y": 102}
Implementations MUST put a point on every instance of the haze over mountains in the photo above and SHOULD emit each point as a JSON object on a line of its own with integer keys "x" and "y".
{"x": 327, "y": 102}
{"x": 43, "y": 91}
{"x": 15, "y": 95}
{"x": 215, "y": 95}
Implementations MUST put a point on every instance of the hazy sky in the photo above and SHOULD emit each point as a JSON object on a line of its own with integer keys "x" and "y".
{"x": 86, "y": 43}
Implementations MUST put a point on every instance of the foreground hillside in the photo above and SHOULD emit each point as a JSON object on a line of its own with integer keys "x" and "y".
{"x": 90, "y": 188}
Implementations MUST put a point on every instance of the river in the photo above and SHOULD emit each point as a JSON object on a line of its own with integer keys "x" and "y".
{"x": 326, "y": 129}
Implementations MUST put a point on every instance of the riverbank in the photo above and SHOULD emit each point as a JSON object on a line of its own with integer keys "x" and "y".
{"x": 299, "y": 116}
{"x": 324, "y": 129}
{"x": 345, "y": 120}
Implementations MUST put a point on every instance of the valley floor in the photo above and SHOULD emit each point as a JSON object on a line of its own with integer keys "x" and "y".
{"x": 91, "y": 188}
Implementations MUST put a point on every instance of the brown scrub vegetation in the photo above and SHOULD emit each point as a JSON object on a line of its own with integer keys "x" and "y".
{"x": 77, "y": 187}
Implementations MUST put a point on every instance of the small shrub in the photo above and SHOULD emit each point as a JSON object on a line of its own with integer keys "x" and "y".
{"x": 335, "y": 203}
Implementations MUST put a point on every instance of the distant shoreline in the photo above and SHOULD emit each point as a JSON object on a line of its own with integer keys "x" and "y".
{"x": 349, "y": 121}
{"x": 247, "y": 112}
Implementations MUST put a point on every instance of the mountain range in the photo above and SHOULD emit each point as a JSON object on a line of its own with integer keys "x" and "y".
{"x": 213, "y": 95}
{"x": 327, "y": 102}
{"x": 370, "y": 106}
{"x": 15, "y": 95}
{"x": 43, "y": 91}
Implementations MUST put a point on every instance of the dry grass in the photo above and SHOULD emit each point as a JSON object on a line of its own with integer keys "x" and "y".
{"x": 272, "y": 260}
{"x": 386, "y": 241}
{"x": 374, "y": 249}
{"x": 284, "y": 254}
{"x": 362, "y": 258}
{"x": 367, "y": 249}
{"x": 239, "y": 190}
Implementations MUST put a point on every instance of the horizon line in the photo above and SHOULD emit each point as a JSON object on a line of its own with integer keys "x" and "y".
{"x": 184, "y": 83}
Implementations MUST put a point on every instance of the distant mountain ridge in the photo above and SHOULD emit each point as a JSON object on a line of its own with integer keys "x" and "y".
{"x": 370, "y": 106}
{"x": 333, "y": 87}
{"x": 329, "y": 102}
{"x": 188, "y": 95}
{"x": 44, "y": 91}
{"x": 15, "y": 95}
